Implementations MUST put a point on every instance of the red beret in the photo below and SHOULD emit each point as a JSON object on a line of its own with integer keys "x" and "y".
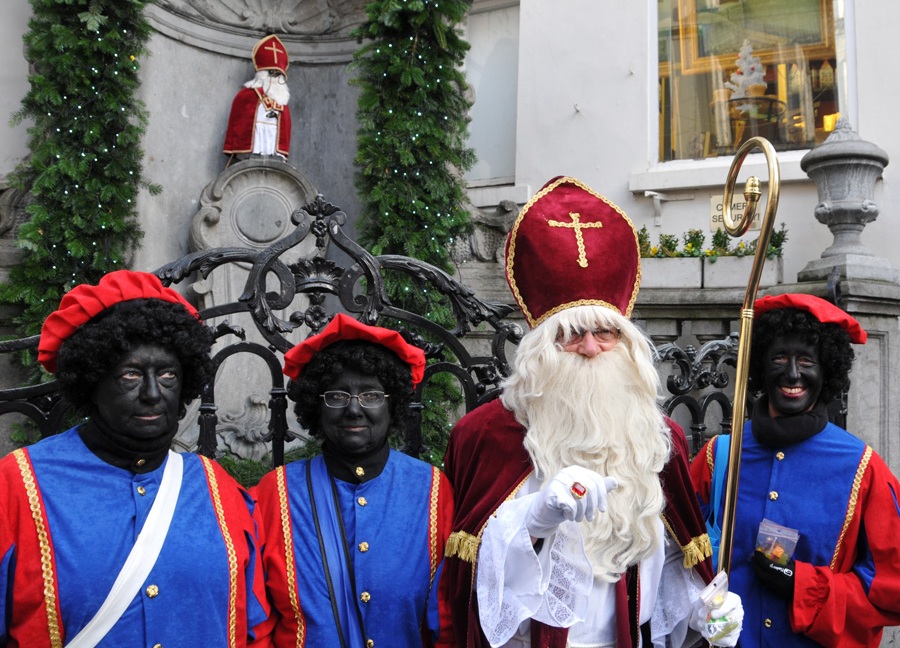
{"x": 568, "y": 247}
{"x": 342, "y": 328}
{"x": 270, "y": 54}
{"x": 83, "y": 302}
{"x": 822, "y": 310}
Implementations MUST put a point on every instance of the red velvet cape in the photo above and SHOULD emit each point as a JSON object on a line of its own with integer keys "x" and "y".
{"x": 486, "y": 462}
{"x": 241, "y": 122}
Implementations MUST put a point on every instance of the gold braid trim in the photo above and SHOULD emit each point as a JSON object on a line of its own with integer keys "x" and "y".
{"x": 710, "y": 455}
{"x": 854, "y": 498}
{"x": 289, "y": 562}
{"x": 695, "y": 551}
{"x": 229, "y": 546}
{"x": 34, "y": 503}
{"x": 433, "y": 522}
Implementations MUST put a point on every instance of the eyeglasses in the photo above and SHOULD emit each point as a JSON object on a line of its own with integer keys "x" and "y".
{"x": 601, "y": 335}
{"x": 341, "y": 399}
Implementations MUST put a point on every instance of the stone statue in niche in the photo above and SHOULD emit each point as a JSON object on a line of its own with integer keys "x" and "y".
{"x": 260, "y": 119}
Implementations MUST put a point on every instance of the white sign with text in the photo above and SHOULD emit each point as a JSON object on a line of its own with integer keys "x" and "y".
{"x": 738, "y": 205}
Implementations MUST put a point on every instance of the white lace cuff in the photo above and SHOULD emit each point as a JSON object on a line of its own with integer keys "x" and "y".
{"x": 515, "y": 584}
{"x": 677, "y": 596}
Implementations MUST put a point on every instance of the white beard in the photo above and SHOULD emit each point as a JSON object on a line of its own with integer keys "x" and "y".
{"x": 275, "y": 88}
{"x": 600, "y": 414}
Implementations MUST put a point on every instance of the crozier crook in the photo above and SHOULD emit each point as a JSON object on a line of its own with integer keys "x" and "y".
{"x": 752, "y": 194}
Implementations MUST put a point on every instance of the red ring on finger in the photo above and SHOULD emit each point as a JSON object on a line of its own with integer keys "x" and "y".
{"x": 578, "y": 490}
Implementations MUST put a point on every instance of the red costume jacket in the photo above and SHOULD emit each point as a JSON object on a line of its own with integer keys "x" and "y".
{"x": 486, "y": 462}
{"x": 241, "y": 122}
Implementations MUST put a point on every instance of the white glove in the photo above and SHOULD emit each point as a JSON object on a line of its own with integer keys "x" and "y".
{"x": 558, "y": 502}
{"x": 720, "y": 626}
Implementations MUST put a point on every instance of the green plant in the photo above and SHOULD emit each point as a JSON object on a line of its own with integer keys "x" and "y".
{"x": 693, "y": 243}
{"x": 248, "y": 472}
{"x": 24, "y": 434}
{"x": 668, "y": 246}
{"x": 411, "y": 153}
{"x": 84, "y": 170}
{"x": 722, "y": 244}
{"x": 644, "y": 242}
{"x": 776, "y": 243}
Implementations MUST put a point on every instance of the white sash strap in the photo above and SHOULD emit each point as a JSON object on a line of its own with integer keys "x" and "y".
{"x": 140, "y": 561}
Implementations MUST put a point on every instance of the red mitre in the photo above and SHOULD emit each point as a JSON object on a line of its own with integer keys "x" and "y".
{"x": 343, "y": 327}
{"x": 570, "y": 246}
{"x": 822, "y": 310}
{"x": 84, "y": 302}
{"x": 270, "y": 54}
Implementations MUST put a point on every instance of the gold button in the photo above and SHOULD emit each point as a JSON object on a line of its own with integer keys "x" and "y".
{"x": 141, "y": 490}
{"x": 359, "y": 471}
{"x": 779, "y": 456}
{"x": 768, "y": 623}
{"x": 152, "y": 591}
{"x": 370, "y": 643}
{"x": 140, "y": 462}
{"x": 364, "y": 597}
{"x": 361, "y": 501}
{"x": 364, "y": 546}
{"x": 773, "y": 495}
{"x": 157, "y": 645}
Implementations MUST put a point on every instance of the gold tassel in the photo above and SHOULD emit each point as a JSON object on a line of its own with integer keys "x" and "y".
{"x": 697, "y": 550}
{"x": 462, "y": 545}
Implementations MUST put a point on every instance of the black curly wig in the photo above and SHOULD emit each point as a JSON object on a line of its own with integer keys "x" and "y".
{"x": 833, "y": 344}
{"x": 363, "y": 357}
{"x": 96, "y": 347}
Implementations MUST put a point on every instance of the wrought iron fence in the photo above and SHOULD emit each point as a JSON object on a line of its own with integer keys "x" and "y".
{"x": 697, "y": 382}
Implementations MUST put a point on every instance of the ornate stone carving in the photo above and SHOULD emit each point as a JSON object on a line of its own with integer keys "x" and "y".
{"x": 249, "y": 205}
{"x": 488, "y": 236}
{"x": 313, "y": 31}
{"x": 302, "y": 17}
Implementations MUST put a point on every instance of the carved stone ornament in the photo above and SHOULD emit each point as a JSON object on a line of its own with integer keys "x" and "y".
{"x": 249, "y": 205}
{"x": 313, "y": 31}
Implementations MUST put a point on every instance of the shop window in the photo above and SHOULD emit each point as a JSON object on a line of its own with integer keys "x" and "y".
{"x": 732, "y": 69}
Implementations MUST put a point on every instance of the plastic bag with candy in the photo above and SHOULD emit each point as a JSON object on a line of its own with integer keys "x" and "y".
{"x": 777, "y": 542}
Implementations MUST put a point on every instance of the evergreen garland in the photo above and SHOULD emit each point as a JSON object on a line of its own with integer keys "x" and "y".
{"x": 411, "y": 153}
{"x": 84, "y": 172}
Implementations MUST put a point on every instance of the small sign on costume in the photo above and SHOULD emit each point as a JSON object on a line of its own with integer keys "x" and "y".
{"x": 738, "y": 205}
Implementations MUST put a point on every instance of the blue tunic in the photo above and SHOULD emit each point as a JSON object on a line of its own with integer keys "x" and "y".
{"x": 396, "y": 525}
{"x": 92, "y": 512}
{"x": 842, "y": 499}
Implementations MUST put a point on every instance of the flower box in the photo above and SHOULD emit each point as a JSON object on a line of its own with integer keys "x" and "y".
{"x": 703, "y": 272}
{"x": 672, "y": 272}
{"x": 734, "y": 272}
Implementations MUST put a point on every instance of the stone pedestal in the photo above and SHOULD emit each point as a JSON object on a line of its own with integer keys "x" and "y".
{"x": 845, "y": 169}
{"x": 249, "y": 205}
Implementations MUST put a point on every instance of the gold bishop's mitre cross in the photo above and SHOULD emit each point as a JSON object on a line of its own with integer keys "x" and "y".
{"x": 577, "y": 225}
